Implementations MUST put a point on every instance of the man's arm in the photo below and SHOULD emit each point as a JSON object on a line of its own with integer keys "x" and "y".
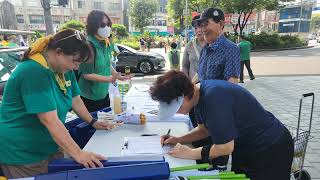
{"x": 185, "y": 152}
{"x": 197, "y": 133}
{"x": 232, "y": 65}
{"x": 233, "y": 80}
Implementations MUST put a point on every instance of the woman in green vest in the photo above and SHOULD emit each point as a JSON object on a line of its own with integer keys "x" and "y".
{"x": 37, "y": 97}
{"x": 96, "y": 76}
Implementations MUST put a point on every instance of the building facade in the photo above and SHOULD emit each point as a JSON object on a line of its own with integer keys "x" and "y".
{"x": 7, "y": 15}
{"x": 29, "y": 13}
{"x": 159, "y": 24}
{"x": 295, "y": 17}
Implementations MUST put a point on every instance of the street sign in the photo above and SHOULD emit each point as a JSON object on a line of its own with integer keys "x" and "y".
{"x": 186, "y": 12}
{"x": 288, "y": 24}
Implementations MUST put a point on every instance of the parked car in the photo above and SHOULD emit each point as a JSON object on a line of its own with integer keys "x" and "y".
{"x": 144, "y": 62}
{"x": 8, "y": 62}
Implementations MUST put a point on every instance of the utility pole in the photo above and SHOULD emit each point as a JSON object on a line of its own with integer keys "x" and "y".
{"x": 47, "y": 16}
{"x": 299, "y": 25}
{"x": 185, "y": 19}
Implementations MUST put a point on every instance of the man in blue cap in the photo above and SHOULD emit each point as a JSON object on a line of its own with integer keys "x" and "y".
{"x": 220, "y": 59}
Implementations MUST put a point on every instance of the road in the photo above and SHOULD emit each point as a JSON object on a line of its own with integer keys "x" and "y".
{"x": 273, "y": 63}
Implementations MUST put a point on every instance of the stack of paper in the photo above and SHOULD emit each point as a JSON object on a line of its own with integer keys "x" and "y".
{"x": 143, "y": 145}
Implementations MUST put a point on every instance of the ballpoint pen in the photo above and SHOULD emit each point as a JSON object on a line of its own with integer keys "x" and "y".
{"x": 166, "y": 136}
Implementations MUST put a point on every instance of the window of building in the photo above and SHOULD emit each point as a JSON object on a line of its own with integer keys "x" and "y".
{"x": 20, "y": 18}
{"x": 36, "y": 19}
{"x": 81, "y": 4}
{"x": 163, "y": 9}
{"x": 98, "y": 5}
{"x": 115, "y": 20}
{"x": 56, "y": 19}
{"x": 114, "y": 6}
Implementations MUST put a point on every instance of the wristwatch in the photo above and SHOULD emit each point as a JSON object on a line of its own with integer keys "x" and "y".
{"x": 94, "y": 120}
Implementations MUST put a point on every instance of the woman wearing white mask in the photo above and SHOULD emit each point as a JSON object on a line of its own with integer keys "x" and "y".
{"x": 96, "y": 76}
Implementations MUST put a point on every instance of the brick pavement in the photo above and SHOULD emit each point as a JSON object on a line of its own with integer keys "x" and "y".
{"x": 281, "y": 96}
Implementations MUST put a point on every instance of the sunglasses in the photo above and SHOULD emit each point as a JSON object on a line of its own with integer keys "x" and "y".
{"x": 76, "y": 34}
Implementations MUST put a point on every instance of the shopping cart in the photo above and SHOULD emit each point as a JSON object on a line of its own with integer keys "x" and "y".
{"x": 301, "y": 137}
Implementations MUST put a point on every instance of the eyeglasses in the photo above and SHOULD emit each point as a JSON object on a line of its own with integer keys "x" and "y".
{"x": 76, "y": 34}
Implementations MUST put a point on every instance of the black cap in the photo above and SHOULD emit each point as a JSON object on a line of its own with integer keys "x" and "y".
{"x": 214, "y": 13}
{"x": 194, "y": 20}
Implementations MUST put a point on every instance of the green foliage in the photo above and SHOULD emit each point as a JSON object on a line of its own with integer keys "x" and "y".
{"x": 37, "y": 35}
{"x": 175, "y": 11}
{"x": 141, "y": 12}
{"x": 274, "y": 41}
{"x": 74, "y": 24}
{"x": 245, "y": 8}
{"x": 131, "y": 41}
{"x": 119, "y": 30}
{"x": 315, "y": 22}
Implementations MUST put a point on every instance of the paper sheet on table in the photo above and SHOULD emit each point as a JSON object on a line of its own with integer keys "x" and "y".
{"x": 144, "y": 145}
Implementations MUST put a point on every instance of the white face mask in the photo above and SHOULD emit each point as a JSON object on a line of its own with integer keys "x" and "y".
{"x": 104, "y": 32}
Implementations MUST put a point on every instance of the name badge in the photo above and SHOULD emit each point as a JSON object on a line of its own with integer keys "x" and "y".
{"x": 68, "y": 83}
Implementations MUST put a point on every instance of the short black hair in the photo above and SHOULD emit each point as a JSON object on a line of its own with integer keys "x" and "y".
{"x": 173, "y": 45}
{"x": 94, "y": 21}
{"x": 171, "y": 85}
{"x": 194, "y": 22}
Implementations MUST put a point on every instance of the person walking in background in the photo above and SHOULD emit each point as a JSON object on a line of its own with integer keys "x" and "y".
{"x": 245, "y": 48}
{"x": 191, "y": 55}
{"x": 114, "y": 52}
{"x": 148, "y": 43}
{"x": 142, "y": 44}
{"x": 174, "y": 57}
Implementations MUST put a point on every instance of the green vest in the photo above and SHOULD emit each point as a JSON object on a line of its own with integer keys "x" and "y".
{"x": 94, "y": 90}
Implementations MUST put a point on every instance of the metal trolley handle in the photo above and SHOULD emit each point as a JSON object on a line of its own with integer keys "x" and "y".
{"x": 311, "y": 94}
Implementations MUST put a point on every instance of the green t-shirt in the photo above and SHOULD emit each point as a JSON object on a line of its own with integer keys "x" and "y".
{"x": 31, "y": 89}
{"x": 245, "y": 48}
{"x": 94, "y": 90}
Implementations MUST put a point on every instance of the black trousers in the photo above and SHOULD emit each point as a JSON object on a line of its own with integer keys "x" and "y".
{"x": 273, "y": 163}
{"x": 219, "y": 161}
{"x": 247, "y": 63}
{"x": 93, "y": 106}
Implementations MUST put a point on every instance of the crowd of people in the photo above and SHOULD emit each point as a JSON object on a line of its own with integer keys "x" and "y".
{"x": 228, "y": 119}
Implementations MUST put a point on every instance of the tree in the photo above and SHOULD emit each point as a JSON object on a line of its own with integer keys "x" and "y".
{"x": 47, "y": 16}
{"x": 119, "y": 30}
{"x": 315, "y": 22}
{"x": 175, "y": 11}
{"x": 244, "y": 9}
{"x": 74, "y": 24}
{"x": 142, "y": 12}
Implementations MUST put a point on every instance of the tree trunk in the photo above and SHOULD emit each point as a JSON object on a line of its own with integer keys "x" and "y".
{"x": 47, "y": 16}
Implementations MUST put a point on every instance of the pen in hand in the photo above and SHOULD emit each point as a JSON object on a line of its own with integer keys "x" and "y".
{"x": 166, "y": 137}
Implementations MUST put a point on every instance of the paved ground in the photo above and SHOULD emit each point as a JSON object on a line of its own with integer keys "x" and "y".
{"x": 282, "y": 77}
{"x": 281, "y": 96}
